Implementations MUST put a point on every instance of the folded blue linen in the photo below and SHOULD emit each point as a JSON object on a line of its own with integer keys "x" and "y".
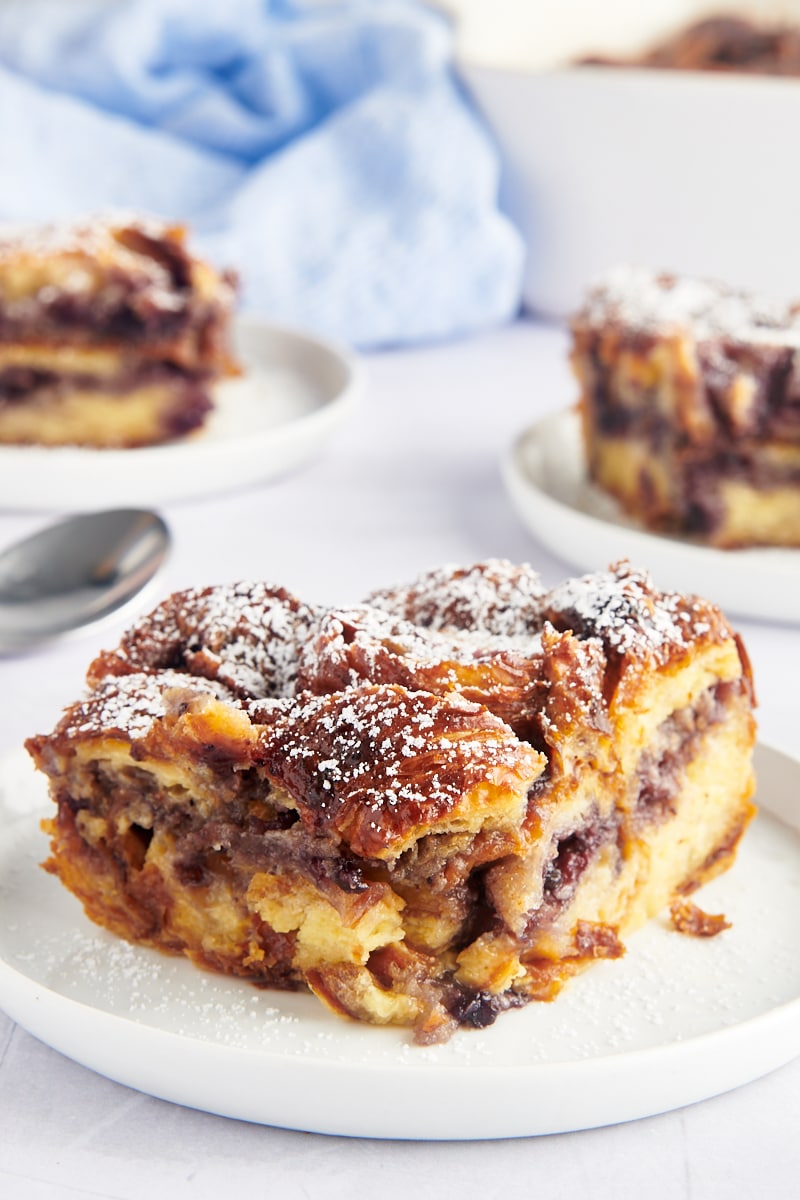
{"x": 323, "y": 149}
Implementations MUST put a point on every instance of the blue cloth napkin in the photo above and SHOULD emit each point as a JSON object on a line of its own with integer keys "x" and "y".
{"x": 323, "y": 149}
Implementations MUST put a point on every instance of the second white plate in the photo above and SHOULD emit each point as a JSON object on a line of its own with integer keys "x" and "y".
{"x": 677, "y": 1020}
{"x": 296, "y": 390}
{"x": 545, "y": 476}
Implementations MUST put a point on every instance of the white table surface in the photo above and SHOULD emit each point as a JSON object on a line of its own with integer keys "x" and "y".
{"x": 412, "y": 482}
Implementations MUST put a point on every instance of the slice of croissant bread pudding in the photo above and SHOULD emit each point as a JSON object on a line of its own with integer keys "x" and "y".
{"x": 112, "y": 334}
{"x": 428, "y": 808}
{"x": 690, "y": 406}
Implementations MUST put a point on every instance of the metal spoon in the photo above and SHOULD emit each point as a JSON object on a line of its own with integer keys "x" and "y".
{"x": 75, "y": 573}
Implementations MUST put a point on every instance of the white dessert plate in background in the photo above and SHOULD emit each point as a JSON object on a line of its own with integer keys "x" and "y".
{"x": 545, "y": 475}
{"x": 677, "y": 1020}
{"x": 295, "y": 392}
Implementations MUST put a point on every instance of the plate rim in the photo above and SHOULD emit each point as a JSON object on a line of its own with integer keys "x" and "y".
{"x": 769, "y": 1040}
{"x": 303, "y": 432}
{"x": 526, "y": 490}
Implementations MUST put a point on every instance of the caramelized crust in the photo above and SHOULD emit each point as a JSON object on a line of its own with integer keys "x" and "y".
{"x": 247, "y": 635}
{"x": 378, "y": 768}
{"x": 367, "y": 644}
{"x": 688, "y": 918}
{"x": 425, "y": 824}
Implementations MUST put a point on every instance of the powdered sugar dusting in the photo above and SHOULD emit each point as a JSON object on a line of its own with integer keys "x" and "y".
{"x": 247, "y": 635}
{"x": 622, "y": 609}
{"x": 648, "y": 302}
{"x": 82, "y": 276}
{"x": 128, "y": 705}
{"x": 108, "y": 251}
{"x": 263, "y": 643}
{"x": 87, "y": 236}
{"x": 496, "y": 597}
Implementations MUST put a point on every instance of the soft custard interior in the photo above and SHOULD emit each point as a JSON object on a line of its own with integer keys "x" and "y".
{"x": 138, "y": 416}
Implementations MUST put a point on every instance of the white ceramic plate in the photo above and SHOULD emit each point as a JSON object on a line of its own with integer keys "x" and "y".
{"x": 545, "y": 475}
{"x": 676, "y": 1020}
{"x": 295, "y": 391}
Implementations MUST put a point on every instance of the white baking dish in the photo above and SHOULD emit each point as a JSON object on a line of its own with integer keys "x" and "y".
{"x": 694, "y": 172}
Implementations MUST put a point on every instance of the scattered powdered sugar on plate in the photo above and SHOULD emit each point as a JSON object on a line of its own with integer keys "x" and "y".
{"x": 21, "y": 791}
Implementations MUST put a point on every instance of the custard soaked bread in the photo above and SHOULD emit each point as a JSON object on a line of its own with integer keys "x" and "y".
{"x": 690, "y": 404}
{"x": 427, "y": 808}
{"x": 111, "y": 334}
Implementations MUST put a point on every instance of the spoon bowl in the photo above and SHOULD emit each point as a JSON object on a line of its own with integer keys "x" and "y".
{"x": 76, "y": 573}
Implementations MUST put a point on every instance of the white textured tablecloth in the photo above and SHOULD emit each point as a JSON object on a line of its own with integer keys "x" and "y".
{"x": 413, "y": 482}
